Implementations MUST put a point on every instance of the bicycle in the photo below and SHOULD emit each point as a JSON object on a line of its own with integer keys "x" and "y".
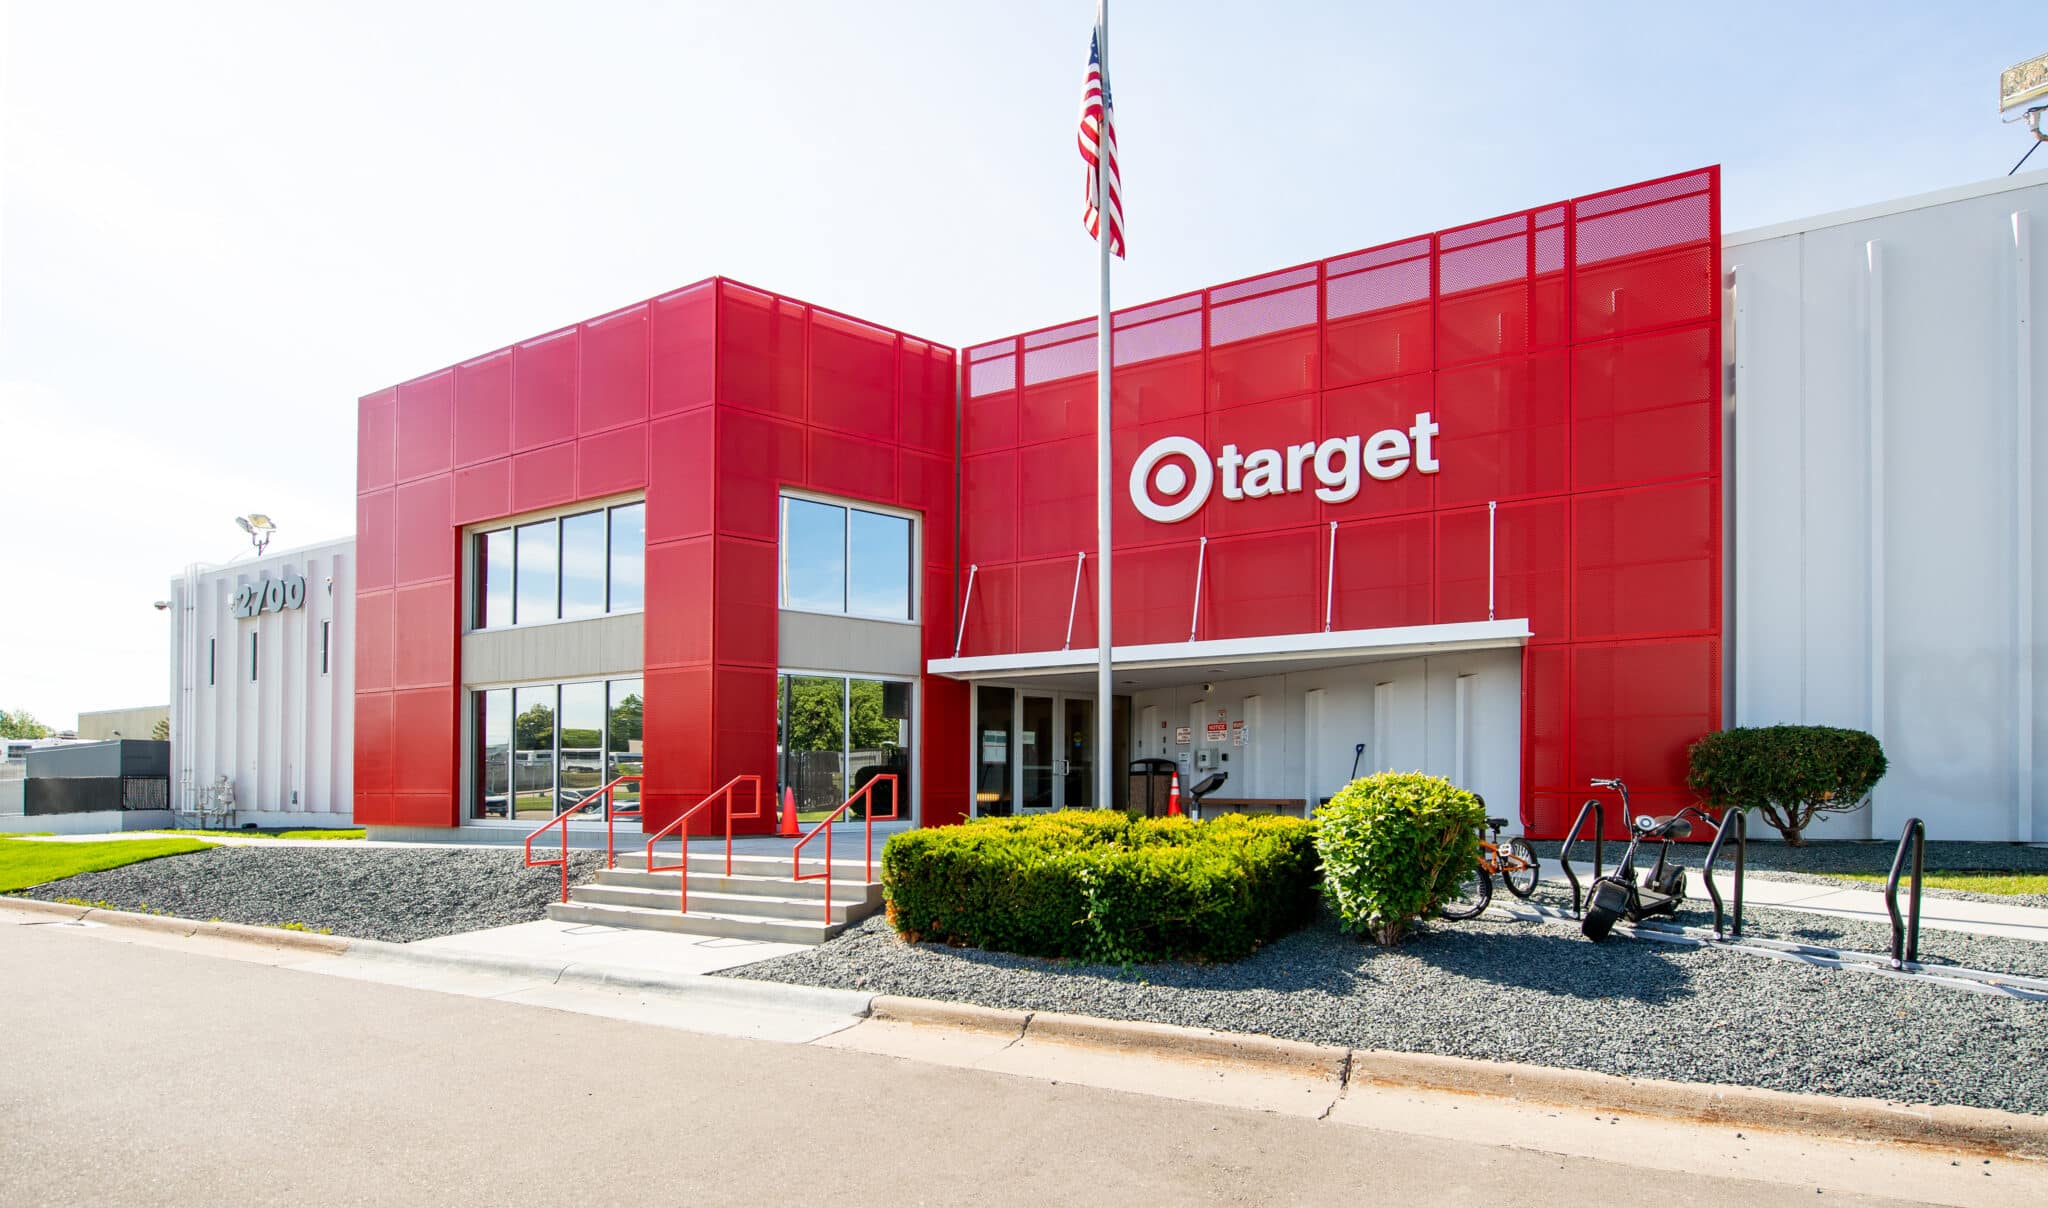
{"x": 1514, "y": 862}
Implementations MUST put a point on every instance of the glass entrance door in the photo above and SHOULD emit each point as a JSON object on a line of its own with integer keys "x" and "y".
{"x": 1038, "y": 786}
{"x": 1055, "y": 752}
{"x": 1077, "y": 752}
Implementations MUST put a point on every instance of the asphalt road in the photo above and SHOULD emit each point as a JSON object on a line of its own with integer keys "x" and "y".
{"x": 139, "y": 1075}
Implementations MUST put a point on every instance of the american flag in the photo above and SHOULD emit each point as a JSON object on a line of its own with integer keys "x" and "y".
{"x": 1098, "y": 144}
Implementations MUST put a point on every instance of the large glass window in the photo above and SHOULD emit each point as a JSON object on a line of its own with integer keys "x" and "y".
{"x": 846, "y": 560}
{"x": 535, "y": 597}
{"x": 494, "y": 753}
{"x": 584, "y": 565}
{"x": 533, "y": 753}
{"x": 580, "y": 565}
{"x": 838, "y": 733}
{"x": 541, "y": 749}
{"x": 878, "y": 558}
{"x": 628, "y": 556}
{"x": 813, "y": 556}
{"x": 494, "y": 579}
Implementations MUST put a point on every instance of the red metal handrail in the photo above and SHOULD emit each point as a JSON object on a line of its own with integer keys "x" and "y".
{"x": 796, "y": 871}
{"x": 603, "y": 793}
{"x": 611, "y": 816}
{"x": 682, "y": 823}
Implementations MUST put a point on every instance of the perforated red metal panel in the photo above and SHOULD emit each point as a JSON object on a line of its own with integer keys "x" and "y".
{"x": 744, "y": 579}
{"x": 483, "y": 408}
{"x": 424, "y": 530}
{"x": 376, "y": 436}
{"x": 544, "y": 390}
{"x": 543, "y": 478}
{"x": 760, "y": 352}
{"x": 612, "y": 372}
{"x": 1644, "y": 410}
{"x": 424, "y": 761}
{"x": 610, "y": 462}
{"x": 680, "y": 572}
{"x": 423, "y": 635}
{"x": 483, "y": 491}
{"x": 682, "y": 354}
{"x": 1384, "y": 573}
{"x": 426, "y": 425}
{"x": 853, "y": 377}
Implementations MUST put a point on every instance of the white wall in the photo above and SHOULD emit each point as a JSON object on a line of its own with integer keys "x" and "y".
{"x": 1885, "y": 555}
{"x": 1411, "y": 713}
{"x": 286, "y": 740}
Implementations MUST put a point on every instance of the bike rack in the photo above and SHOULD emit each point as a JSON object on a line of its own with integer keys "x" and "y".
{"x": 1906, "y": 933}
{"x": 1598, "y": 809}
{"x": 1741, "y": 824}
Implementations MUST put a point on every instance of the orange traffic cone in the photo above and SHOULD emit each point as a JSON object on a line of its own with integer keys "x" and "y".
{"x": 1173, "y": 796}
{"x": 789, "y": 827}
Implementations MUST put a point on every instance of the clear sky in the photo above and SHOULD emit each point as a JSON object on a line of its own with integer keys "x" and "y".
{"x": 222, "y": 223}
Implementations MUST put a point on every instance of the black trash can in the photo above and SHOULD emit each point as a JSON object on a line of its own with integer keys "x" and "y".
{"x": 1151, "y": 781}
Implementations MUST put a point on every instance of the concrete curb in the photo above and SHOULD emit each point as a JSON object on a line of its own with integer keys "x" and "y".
{"x": 269, "y": 937}
{"x": 1977, "y": 1130}
{"x": 760, "y": 995}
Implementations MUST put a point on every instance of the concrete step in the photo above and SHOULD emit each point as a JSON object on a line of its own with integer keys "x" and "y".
{"x": 717, "y": 882}
{"x": 733, "y": 926}
{"x": 854, "y": 870}
{"x": 844, "y": 909}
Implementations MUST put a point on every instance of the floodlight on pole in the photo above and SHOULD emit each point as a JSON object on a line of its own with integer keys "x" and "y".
{"x": 259, "y": 528}
{"x": 2024, "y": 87}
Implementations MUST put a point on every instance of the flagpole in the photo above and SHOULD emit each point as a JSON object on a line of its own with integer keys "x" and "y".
{"x": 1105, "y": 707}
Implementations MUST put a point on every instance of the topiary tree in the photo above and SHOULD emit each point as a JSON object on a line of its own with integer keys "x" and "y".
{"x": 1789, "y": 774}
{"x": 1393, "y": 845}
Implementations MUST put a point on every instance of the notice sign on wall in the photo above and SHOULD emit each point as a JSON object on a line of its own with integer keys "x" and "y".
{"x": 1183, "y": 735}
{"x": 1216, "y": 731}
{"x": 995, "y": 746}
{"x": 1237, "y": 734}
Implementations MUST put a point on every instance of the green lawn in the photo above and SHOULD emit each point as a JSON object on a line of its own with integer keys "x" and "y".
{"x": 339, "y": 832}
{"x": 1975, "y": 882}
{"x": 25, "y": 863}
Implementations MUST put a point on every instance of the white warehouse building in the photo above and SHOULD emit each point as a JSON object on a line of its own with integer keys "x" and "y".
{"x": 262, "y": 689}
{"x": 1884, "y": 562}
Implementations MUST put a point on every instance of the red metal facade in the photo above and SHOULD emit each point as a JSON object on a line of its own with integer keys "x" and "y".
{"x": 711, "y": 399}
{"x": 1570, "y": 355}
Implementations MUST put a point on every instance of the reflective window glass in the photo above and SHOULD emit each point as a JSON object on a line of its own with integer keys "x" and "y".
{"x": 878, "y": 743}
{"x": 583, "y": 565}
{"x": 628, "y": 556}
{"x": 878, "y": 578}
{"x": 582, "y": 749}
{"x": 814, "y": 743}
{"x": 494, "y": 579}
{"x": 533, "y": 754}
{"x": 813, "y": 556}
{"x": 535, "y": 598}
{"x": 494, "y": 753}
{"x": 622, "y": 742}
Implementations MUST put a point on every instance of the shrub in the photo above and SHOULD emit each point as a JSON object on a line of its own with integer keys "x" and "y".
{"x": 1393, "y": 846}
{"x": 1100, "y": 885}
{"x": 1789, "y": 774}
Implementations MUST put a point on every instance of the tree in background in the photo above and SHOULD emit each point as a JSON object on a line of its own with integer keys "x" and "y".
{"x": 535, "y": 729}
{"x": 21, "y": 724}
{"x": 161, "y": 731}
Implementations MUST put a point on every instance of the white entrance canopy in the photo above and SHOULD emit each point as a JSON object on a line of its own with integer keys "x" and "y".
{"x": 1166, "y": 663}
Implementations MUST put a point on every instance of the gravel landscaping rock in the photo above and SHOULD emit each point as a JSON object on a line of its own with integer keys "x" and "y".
{"x": 382, "y": 893}
{"x": 1515, "y": 991}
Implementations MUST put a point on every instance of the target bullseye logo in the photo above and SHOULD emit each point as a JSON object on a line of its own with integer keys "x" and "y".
{"x": 1153, "y": 471}
{"x": 1163, "y": 492}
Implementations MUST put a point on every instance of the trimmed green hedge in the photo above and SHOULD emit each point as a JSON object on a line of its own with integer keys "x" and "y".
{"x": 1100, "y": 885}
{"x": 1393, "y": 846}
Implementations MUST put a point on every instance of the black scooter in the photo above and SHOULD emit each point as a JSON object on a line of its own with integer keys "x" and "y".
{"x": 1617, "y": 895}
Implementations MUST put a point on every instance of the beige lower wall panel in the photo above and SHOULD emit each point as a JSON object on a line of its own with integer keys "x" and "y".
{"x": 600, "y": 646}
